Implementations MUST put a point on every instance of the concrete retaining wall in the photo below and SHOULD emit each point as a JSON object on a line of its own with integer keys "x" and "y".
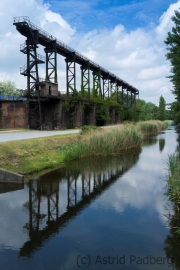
{"x": 7, "y": 176}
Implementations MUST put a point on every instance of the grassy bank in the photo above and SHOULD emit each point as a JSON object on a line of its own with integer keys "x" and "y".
{"x": 33, "y": 155}
{"x": 28, "y": 156}
{"x": 173, "y": 180}
{"x": 173, "y": 192}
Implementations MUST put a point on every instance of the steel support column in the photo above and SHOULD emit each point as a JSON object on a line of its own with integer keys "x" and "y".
{"x": 51, "y": 62}
{"x": 105, "y": 87}
{"x": 85, "y": 80}
{"x": 33, "y": 81}
{"x": 113, "y": 89}
{"x": 97, "y": 82}
{"x": 124, "y": 96}
{"x": 70, "y": 74}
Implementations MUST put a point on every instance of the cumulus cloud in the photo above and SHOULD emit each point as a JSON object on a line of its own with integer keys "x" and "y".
{"x": 11, "y": 59}
{"x": 137, "y": 56}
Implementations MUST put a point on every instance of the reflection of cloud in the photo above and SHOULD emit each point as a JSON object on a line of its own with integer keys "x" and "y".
{"x": 11, "y": 229}
{"x": 142, "y": 186}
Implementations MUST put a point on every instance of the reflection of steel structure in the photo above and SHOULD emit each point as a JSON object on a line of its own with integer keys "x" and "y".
{"x": 81, "y": 190}
{"x": 104, "y": 82}
{"x": 37, "y": 193}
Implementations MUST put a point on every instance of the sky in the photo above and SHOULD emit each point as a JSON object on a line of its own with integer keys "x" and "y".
{"x": 124, "y": 37}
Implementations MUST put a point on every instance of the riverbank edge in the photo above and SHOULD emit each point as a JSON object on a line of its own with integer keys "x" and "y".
{"x": 31, "y": 156}
{"x": 173, "y": 179}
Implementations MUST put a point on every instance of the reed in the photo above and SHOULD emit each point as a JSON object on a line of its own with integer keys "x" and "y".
{"x": 114, "y": 140}
{"x": 153, "y": 127}
{"x": 107, "y": 142}
{"x": 173, "y": 180}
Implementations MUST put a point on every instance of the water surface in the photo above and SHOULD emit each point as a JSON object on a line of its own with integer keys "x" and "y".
{"x": 96, "y": 213}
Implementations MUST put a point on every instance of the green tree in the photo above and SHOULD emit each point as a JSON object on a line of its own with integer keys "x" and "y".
{"x": 7, "y": 88}
{"x": 162, "y": 109}
{"x": 173, "y": 46}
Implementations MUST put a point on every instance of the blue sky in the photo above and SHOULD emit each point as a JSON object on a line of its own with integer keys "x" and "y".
{"x": 98, "y": 14}
{"x": 125, "y": 37}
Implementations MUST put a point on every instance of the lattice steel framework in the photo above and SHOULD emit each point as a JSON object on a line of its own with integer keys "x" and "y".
{"x": 97, "y": 82}
{"x": 105, "y": 87}
{"x": 86, "y": 185}
{"x": 51, "y": 62}
{"x": 71, "y": 74}
{"x": 53, "y": 46}
{"x": 113, "y": 89}
{"x": 72, "y": 192}
{"x": 85, "y": 80}
{"x": 34, "y": 83}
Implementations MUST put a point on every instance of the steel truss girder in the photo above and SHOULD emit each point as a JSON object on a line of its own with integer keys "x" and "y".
{"x": 70, "y": 74}
{"x": 85, "y": 80}
{"x": 51, "y": 62}
{"x": 97, "y": 82}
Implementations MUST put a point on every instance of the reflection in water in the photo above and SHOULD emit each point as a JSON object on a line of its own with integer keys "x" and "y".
{"x": 98, "y": 206}
{"x": 85, "y": 181}
{"x": 161, "y": 144}
{"x": 172, "y": 241}
{"x": 9, "y": 187}
{"x": 149, "y": 141}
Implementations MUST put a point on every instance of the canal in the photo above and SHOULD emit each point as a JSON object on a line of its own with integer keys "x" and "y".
{"x": 95, "y": 213}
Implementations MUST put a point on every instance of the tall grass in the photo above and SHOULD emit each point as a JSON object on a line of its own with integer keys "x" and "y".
{"x": 152, "y": 127}
{"x": 173, "y": 181}
{"x": 107, "y": 142}
{"x": 114, "y": 140}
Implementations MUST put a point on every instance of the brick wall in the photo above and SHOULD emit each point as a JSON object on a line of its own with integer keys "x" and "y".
{"x": 13, "y": 114}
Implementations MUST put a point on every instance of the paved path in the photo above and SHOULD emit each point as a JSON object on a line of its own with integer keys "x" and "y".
{"x": 24, "y": 135}
{"x": 15, "y": 135}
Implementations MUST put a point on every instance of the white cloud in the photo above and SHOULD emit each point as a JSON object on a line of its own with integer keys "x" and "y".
{"x": 138, "y": 56}
{"x": 11, "y": 59}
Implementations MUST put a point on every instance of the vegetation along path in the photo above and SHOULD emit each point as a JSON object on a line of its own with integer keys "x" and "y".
{"x": 32, "y": 155}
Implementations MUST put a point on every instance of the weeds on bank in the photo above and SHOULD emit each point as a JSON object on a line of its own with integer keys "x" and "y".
{"x": 37, "y": 154}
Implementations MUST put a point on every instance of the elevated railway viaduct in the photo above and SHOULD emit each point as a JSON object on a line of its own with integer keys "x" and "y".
{"x": 46, "y": 107}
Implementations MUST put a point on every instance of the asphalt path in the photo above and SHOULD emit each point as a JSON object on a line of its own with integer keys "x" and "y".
{"x": 6, "y": 136}
{"x": 24, "y": 135}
